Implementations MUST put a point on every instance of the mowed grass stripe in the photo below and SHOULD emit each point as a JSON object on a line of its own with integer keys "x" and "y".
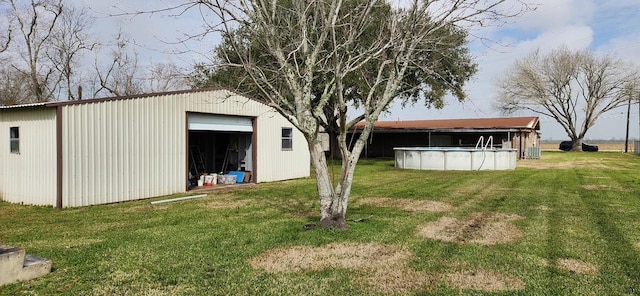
{"x": 621, "y": 258}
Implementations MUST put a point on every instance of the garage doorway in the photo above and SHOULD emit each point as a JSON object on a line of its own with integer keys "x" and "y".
{"x": 218, "y": 143}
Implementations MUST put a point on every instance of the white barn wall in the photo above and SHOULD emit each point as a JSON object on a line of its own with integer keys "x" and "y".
{"x": 29, "y": 177}
{"x": 121, "y": 150}
{"x": 118, "y": 150}
{"x": 274, "y": 163}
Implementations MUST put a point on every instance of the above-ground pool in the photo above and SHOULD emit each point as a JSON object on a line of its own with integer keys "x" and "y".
{"x": 461, "y": 159}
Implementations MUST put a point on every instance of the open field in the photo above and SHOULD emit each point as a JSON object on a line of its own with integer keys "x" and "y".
{"x": 567, "y": 224}
{"x": 602, "y": 146}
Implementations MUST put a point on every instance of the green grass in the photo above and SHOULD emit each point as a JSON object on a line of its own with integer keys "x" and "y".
{"x": 584, "y": 206}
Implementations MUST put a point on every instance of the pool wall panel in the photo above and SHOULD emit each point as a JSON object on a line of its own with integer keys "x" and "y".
{"x": 422, "y": 158}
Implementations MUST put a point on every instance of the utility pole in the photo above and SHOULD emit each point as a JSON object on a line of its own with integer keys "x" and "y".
{"x": 626, "y": 141}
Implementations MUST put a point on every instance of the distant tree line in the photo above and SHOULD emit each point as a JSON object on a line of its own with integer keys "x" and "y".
{"x": 46, "y": 55}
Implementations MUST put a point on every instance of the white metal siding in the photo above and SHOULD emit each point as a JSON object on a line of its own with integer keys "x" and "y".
{"x": 274, "y": 163}
{"x": 29, "y": 177}
{"x": 136, "y": 148}
{"x": 122, "y": 150}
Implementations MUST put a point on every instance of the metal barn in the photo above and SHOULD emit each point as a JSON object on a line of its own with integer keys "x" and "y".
{"x": 98, "y": 151}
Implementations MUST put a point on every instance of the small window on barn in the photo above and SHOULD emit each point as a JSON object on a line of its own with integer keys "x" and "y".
{"x": 287, "y": 138}
{"x": 14, "y": 139}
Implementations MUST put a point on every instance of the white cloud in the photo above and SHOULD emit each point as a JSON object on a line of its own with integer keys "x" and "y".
{"x": 623, "y": 47}
{"x": 574, "y": 37}
{"x": 551, "y": 14}
{"x": 492, "y": 64}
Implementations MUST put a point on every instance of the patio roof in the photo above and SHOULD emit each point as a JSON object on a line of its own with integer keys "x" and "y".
{"x": 505, "y": 123}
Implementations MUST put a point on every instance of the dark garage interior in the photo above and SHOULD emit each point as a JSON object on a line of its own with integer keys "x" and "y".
{"x": 218, "y": 151}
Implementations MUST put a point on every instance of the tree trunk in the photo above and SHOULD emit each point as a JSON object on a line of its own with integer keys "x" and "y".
{"x": 333, "y": 207}
{"x": 577, "y": 145}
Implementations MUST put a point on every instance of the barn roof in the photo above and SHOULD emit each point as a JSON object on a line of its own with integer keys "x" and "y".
{"x": 138, "y": 96}
{"x": 504, "y": 123}
{"x": 23, "y": 106}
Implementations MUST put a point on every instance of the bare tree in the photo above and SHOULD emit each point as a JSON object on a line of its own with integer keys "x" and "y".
{"x": 313, "y": 56}
{"x": 167, "y": 76}
{"x": 14, "y": 86}
{"x": 123, "y": 75}
{"x": 70, "y": 38}
{"x": 119, "y": 77}
{"x": 35, "y": 26}
{"x": 44, "y": 40}
{"x": 5, "y": 38}
{"x": 574, "y": 88}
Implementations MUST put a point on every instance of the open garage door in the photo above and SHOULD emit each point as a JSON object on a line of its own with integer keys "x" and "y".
{"x": 219, "y": 143}
{"x": 214, "y": 122}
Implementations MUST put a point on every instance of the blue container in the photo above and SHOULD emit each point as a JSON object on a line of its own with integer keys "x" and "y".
{"x": 239, "y": 176}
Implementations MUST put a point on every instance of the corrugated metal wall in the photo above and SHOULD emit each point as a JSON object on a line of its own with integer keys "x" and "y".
{"x": 121, "y": 150}
{"x": 29, "y": 177}
{"x": 130, "y": 149}
{"x": 274, "y": 163}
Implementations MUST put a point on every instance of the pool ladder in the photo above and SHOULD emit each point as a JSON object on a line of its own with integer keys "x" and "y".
{"x": 484, "y": 145}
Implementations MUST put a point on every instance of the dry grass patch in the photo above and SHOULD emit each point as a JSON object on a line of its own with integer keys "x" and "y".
{"x": 577, "y": 266}
{"x": 638, "y": 245}
{"x": 381, "y": 268}
{"x": 397, "y": 281}
{"x": 484, "y": 280}
{"x": 411, "y": 205}
{"x": 338, "y": 255}
{"x": 544, "y": 262}
{"x": 477, "y": 228}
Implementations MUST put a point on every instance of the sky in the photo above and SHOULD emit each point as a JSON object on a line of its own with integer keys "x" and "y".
{"x": 603, "y": 26}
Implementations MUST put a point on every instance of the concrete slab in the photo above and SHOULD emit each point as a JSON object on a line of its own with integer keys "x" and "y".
{"x": 16, "y": 265}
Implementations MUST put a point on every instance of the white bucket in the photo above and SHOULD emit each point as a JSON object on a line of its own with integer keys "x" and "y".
{"x": 208, "y": 180}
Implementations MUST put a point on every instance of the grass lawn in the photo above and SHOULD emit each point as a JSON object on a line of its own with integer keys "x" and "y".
{"x": 568, "y": 224}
